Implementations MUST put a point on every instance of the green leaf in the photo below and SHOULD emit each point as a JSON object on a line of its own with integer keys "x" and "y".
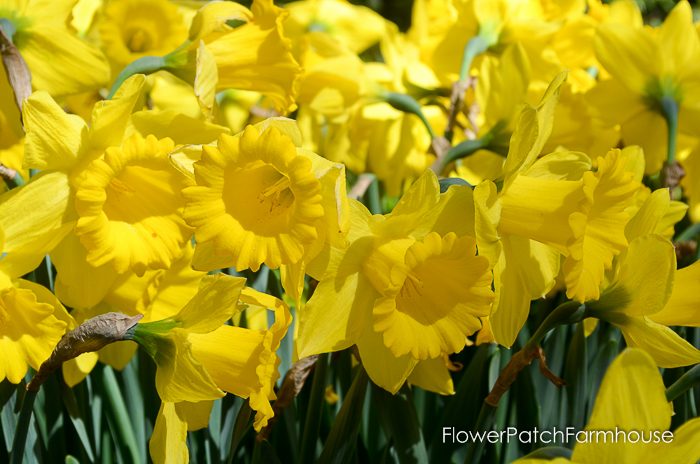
{"x": 341, "y": 443}
{"x": 400, "y": 422}
{"x": 118, "y": 415}
{"x": 78, "y": 421}
{"x": 135, "y": 404}
{"x": 550, "y": 452}
{"x": 461, "y": 410}
{"x": 307, "y": 447}
{"x": 576, "y": 376}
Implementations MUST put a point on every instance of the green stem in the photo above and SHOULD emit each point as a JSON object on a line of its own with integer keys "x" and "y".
{"x": 144, "y": 65}
{"x": 408, "y": 104}
{"x": 566, "y": 313}
{"x": 373, "y": 197}
{"x": 313, "y": 411}
{"x": 20, "y": 440}
{"x": 669, "y": 110}
{"x": 687, "y": 381}
{"x": 475, "y": 47}
{"x": 462, "y": 150}
{"x": 8, "y": 28}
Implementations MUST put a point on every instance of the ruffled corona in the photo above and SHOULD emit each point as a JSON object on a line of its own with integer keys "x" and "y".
{"x": 424, "y": 313}
{"x": 28, "y": 332}
{"x": 131, "y": 29}
{"x": 256, "y": 201}
{"x": 599, "y": 225}
{"x": 128, "y": 205}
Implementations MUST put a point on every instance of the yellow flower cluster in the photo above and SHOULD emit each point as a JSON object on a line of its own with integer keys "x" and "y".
{"x": 169, "y": 149}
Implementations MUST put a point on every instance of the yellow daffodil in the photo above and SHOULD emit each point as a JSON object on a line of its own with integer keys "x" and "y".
{"x": 390, "y": 293}
{"x": 647, "y": 67}
{"x": 60, "y": 62}
{"x": 642, "y": 286}
{"x": 260, "y": 199}
{"x": 632, "y": 399}
{"x": 193, "y": 354}
{"x": 128, "y": 206}
{"x": 131, "y": 29}
{"x": 262, "y": 60}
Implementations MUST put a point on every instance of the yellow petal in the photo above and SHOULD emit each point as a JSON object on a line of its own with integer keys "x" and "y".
{"x": 526, "y": 271}
{"x": 195, "y": 414}
{"x": 432, "y": 375}
{"x": 685, "y": 447}
{"x": 54, "y": 138}
{"x": 206, "y": 80}
{"x": 632, "y": 396}
{"x": 75, "y": 370}
{"x": 180, "y": 376}
{"x": 168, "y": 443}
{"x": 61, "y": 63}
{"x": 683, "y": 307}
{"x": 657, "y": 215}
{"x": 78, "y": 284}
{"x": 110, "y": 117}
{"x": 533, "y": 129}
{"x": 35, "y": 218}
{"x": 385, "y": 369}
{"x": 214, "y": 304}
{"x": 627, "y": 53}
{"x": 180, "y": 128}
{"x": 664, "y": 345}
{"x": 336, "y": 314}
{"x": 645, "y": 279}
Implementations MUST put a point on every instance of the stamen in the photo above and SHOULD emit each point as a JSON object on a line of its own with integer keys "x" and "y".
{"x": 412, "y": 287}
{"x": 281, "y": 184}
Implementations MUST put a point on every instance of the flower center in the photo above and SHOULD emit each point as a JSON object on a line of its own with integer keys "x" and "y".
{"x": 138, "y": 40}
{"x": 412, "y": 287}
{"x": 259, "y": 197}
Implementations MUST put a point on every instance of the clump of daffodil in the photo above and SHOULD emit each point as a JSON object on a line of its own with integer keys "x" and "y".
{"x": 632, "y": 398}
{"x": 131, "y": 29}
{"x": 59, "y": 61}
{"x": 655, "y": 75}
{"x": 260, "y": 199}
{"x": 407, "y": 289}
{"x": 195, "y": 359}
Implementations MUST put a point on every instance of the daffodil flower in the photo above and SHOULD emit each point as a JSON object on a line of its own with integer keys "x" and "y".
{"x": 260, "y": 199}
{"x": 640, "y": 289}
{"x": 646, "y": 67}
{"x": 196, "y": 362}
{"x": 132, "y": 29}
{"x": 407, "y": 290}
{"x": 632, "y": 399}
